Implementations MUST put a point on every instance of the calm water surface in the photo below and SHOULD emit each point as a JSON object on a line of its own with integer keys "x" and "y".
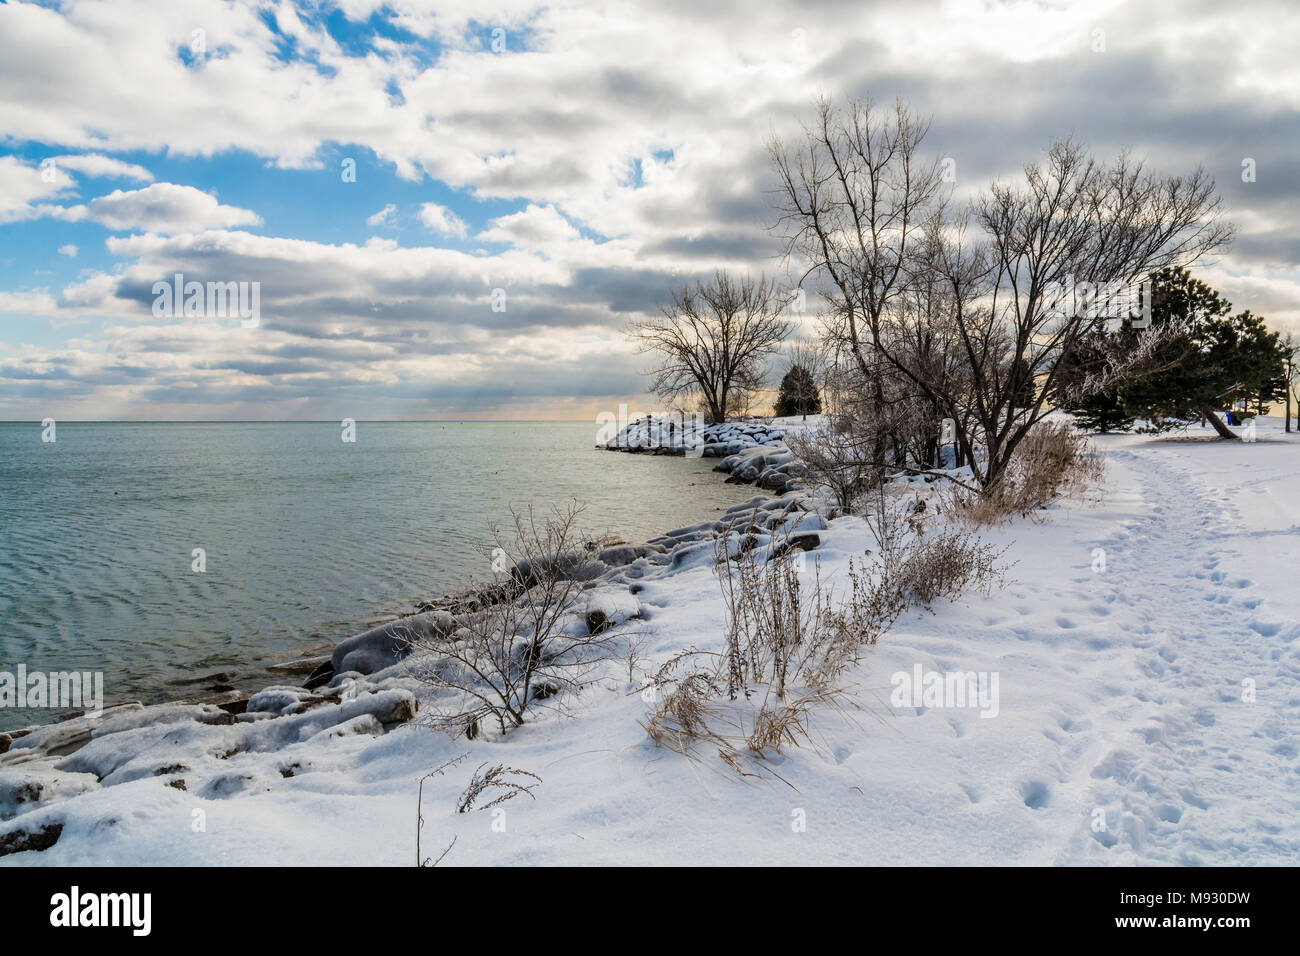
{"x": 308, "y": 539}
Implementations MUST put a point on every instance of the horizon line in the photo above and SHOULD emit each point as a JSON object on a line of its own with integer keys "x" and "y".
{"x": 296, "y": 421}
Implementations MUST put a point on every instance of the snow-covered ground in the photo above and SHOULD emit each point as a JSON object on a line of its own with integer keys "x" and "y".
{"x": 1147, "y": 663}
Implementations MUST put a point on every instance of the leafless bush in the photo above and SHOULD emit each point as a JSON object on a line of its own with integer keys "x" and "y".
{"x": 520, "y": 649}
{"x": 834, "y": 457}
{"x": 944, "y": 565}
{"x": 787, "y": 644}
{"x": 873, "y": 602}
{"x": 773, "y": 627}
{"x": 498, "y": 779}
{"x": 887, "y": 517}
{"x": 1053, "y": 461}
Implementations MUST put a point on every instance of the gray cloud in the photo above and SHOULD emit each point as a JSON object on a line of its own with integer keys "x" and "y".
{"x": 687, "y": 93}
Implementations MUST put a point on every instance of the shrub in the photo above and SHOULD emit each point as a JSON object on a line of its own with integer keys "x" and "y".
{"x": 1053, "y": 460}
{"x": 528, "y": 643}
{"x": 787, "y": 644}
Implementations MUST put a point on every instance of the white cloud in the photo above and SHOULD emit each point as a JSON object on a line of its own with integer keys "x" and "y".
{"x": 24, "y": 186}
{"x": 68, "y": 250}
{"x": 442, "y": 220}
{"x": 97, "y": 165}
{"x": 161, "y": 207}
{"x": 645, "y": 123}
{"x": 382, "y": 216}
{"x": 535, "y": 227}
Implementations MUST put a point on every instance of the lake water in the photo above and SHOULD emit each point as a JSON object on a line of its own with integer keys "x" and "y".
{"x": 307, "y": 539}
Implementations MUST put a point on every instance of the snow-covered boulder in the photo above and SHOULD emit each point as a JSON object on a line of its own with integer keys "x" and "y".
{"x": 672, "y": 434}
{"x": 387, "y": 644}
{"x": 26, "y": 788}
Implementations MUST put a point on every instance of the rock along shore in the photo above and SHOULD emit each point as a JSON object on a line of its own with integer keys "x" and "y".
{"x": 364, "y": 686}
{"x": 750, "y": 452}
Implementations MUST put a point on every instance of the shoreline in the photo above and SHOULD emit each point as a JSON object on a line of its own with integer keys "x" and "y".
{"x": 765, "y": 463}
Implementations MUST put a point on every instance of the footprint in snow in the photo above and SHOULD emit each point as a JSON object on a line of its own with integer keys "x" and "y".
{"x": 1036, "y": 794}
{"x": 1105, "y": 838}
{"x": 1168, "y": 812}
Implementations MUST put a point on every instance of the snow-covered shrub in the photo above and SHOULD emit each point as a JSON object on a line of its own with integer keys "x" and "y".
{"x": 529, "y": 644}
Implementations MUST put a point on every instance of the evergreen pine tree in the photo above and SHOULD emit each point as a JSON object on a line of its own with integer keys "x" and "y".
{"x": 798, "y": 394}
{"x": 1226, "y": 358}
{"x": 1103, "y": 410}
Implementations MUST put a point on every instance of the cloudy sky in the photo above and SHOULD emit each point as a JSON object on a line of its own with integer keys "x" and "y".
{"x": 580, "y": 157}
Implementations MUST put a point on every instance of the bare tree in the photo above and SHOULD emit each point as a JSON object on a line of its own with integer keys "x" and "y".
{"x": 855, "y": 199}
{"x": 1289, "y": 352}
{"x": 1075, "y": 221}
{"x": 714, "y": 339}
{"x": 973, "y": 327}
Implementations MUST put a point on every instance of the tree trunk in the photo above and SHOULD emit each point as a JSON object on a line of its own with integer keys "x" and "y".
{"x": 1223, "y": 430}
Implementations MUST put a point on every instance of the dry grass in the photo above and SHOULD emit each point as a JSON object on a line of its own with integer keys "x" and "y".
{"x": 943, "y": 566}
{"x": 683, "y": 712}
{"x": 774, "y": 627}
{"x": 1053, "y": 461}
{"x": 502, "y": 782}
{"x": 788, "y": 642}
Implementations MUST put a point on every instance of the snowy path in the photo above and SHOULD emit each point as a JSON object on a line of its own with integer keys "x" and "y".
{"x": 1186, "y": 767}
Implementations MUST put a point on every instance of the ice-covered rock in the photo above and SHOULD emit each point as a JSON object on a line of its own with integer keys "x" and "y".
{"x": 22, "y": 839}
{"x": 677, "y": 435}
{"x": 383, "y": 646}
{"x": 65, "y": 736}
{"x": 26, "y": 788}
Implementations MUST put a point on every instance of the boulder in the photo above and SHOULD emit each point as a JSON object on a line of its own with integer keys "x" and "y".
{"x": 320, "y": 676}
{"x": 21, "y": 840}
{"x": 389, "y": 643}
{"x": 303, "y": 665}
{"x": 799, "y": 542}
{"x": 22, "y": 789}
{"x": 617, "y": 557}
